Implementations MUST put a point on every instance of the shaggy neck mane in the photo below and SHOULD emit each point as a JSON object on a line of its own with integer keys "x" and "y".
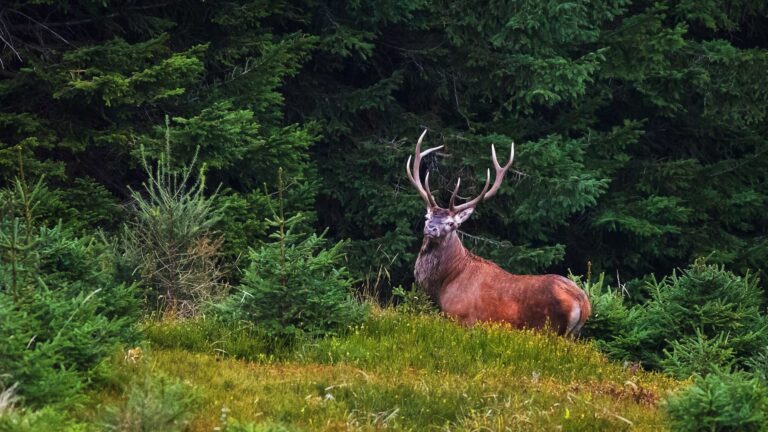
{"x": 440, "y": 261}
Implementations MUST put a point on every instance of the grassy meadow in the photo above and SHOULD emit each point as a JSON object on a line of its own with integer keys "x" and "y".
{"x": 396, "y": 371}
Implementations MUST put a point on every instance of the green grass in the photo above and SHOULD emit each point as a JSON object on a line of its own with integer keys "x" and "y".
{"x": 402, "y": 372}
{"x": 241, "y": 341}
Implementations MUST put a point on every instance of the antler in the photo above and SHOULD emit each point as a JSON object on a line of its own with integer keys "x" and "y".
{"x": 426, "y": 195}
{"x": 486, "y": 193}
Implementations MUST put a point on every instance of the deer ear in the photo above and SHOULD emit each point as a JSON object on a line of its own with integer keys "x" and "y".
{"x": 463, "y": 215}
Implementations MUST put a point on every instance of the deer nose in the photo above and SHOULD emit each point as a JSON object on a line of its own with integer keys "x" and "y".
{"x": 431, "y": 230}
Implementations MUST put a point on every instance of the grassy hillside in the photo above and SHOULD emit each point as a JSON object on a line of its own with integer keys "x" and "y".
{"x": 402, "y": 372}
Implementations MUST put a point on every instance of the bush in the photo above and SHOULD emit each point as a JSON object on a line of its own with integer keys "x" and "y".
{"x": 14, "y": 419}
{"x": 152, "y": 404}
{"x": 758, "y": 365}
{"x": 703, "y": 314}
{"x": 69, "y": 314}
{"x": 609, "y": 314}
{"x": 61, "y": 307}
{"x": 295, "y": 286}
{"x": 229, "y": 425}
{"x": 45, "y": 419}
{"x": 719, "y": 401}
{"x": 613, "y": 326}
{"x": 414, "y": 301}
{"x": 697, "y": 355}
{"x": 170, "y": 242}
{"x": 245, "y": 224}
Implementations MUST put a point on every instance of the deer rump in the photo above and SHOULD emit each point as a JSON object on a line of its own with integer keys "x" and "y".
{"x": 472, "y": 289}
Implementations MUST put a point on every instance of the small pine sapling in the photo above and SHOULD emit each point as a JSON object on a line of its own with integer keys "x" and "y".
{"x": 296, "y": 285}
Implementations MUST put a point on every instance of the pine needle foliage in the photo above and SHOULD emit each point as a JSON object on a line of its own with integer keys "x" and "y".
{"x": 640, "y": 129}
{"x": 170, "y": 243}
{"x": 45, "y": 419}
{"x": 700, "y": 318}
{"x": 611, "y": 316}
{"x": 295, "y": 285}
{"x": 62, "y": 308}
{"x": 151, "y": 404}
{"x": 698, "y": 355}
{"x": 720, "y": 401}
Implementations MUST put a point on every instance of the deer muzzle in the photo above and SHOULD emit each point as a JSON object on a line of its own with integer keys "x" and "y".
{"x": 431, "y": 231}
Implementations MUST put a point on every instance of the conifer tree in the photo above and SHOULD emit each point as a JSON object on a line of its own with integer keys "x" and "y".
{"x": 640, "y": 129}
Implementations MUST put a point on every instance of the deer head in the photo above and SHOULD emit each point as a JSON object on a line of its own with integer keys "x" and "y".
{"x": 439, "y": 221}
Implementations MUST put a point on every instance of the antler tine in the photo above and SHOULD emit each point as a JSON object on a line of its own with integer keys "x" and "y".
{"x": 486, "y": 193}
{"x": 500, "y": 170}
{"x": 426, "y": 196}
{"x": 431, "y": 197}
{"x": 455, "y": 192}
{"x": 477, "y": 199}
{"x": 415, "y": 184}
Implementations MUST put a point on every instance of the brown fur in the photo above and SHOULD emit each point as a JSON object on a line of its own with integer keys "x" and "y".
{"x": 473, "y": 289}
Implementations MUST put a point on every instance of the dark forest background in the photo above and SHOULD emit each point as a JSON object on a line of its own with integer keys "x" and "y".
{"x": 640, "y": 127}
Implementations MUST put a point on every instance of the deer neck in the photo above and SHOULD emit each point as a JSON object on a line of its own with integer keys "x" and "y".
{"x": 439, "y": 262}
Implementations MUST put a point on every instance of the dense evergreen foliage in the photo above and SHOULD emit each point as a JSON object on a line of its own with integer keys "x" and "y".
{"x": 640, "y": 127}
{"x": 294, "y": 286}
{"x": 62, "y": 307}
{"x": 720, "y": 401}
{"x": 700, "y": 320}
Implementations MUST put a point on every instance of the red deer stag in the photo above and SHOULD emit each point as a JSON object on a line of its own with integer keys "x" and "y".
{"x": 473, "y": 289}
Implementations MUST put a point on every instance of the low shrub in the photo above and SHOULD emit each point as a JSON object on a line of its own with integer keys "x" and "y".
{"x": 169, "y": 242}
{"x": 697, "y": 355}
{"x": 235, "y": 426}
{"x": 44, "y": 419}
{"x": 720, "y": 401}
{"x": 413, "y": 301}
{"x": 61, "y": 308}
{"x": 295, "y": 286}
{"x": 69, "y": 314}
{"x": 701, "y": 316}
{"x": 610, "y": 316}
{"x": 758, "y": 365}
{"x": 151, "y": 404}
